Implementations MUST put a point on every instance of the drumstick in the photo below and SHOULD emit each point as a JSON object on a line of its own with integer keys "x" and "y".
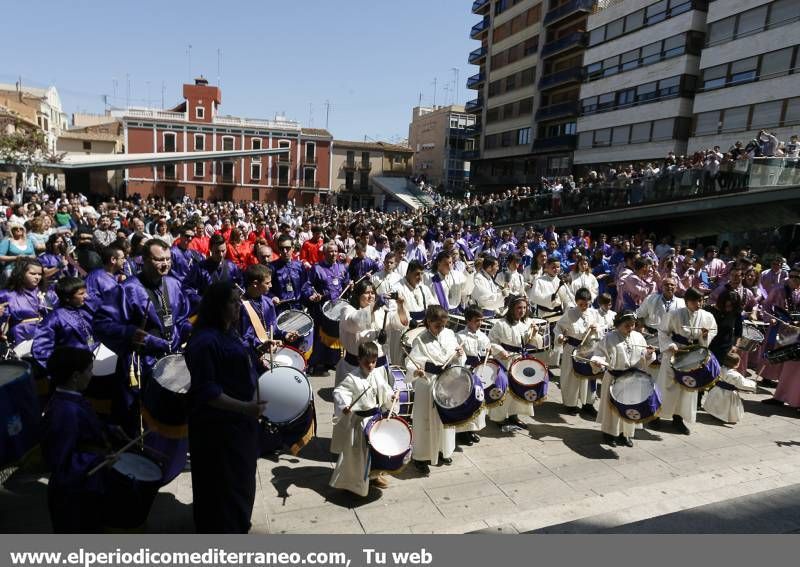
{"x": 270, "y": 347}
{"x": 113, "y": 456}
{"x": 488, "y": 352}
{"x": 586, "y": 336}
{"x": 361, "y": 395}
{"x": 589, "y": 360}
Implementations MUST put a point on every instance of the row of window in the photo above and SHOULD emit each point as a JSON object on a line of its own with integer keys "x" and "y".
{"x": 675, "y": 46}
{"x": 519, "y": 80}
{"x": 651, "y": 15}
{"x": 228, "y": 144}
{"x": 511, "y": 110}
{"x": 558, "y": 129}
{"x": 517, "y": 23}
{"x": 681, "y": 85}
{"x": 502, "y": 5}
{"x": 759, "y": 19}
{"x": 515, "y": 53}
{"x": 643, "y": 132}
{"x": 770, "y": 114}
{"x": 227, "y": 169}
{"x": 519, "y": 137}
{"x": 759, "y": 67}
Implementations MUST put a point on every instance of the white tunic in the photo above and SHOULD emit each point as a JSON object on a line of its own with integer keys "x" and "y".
{"x": 384, "y": 282}
{"x": 619, "y": 354}
{"x": 475, "y": 344}
{"x": 348, "y": 437}
{"x": 431, "y": 437}
{"x": 575, "y": 324}
{"x": 486, "y": 293}
{"x": 453, "y": 284}
{"x": 676, "y": 400}
{"x": 514, "y": 282}
{"x": 587, "y": 280}
{"x": 416, "y": 300}
{"x": 726, "y": 405}
{"x": 541, "y": 294}
{"x": 504, "y": 333}
{"x": 530, "y": 274}
{"x": 359, "y": 326}
{"x": 653, "y": 310}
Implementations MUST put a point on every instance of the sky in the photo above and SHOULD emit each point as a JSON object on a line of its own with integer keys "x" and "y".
{"x": 371, "y": 59}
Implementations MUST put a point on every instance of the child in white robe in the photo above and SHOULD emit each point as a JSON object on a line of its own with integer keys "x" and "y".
{"x": 360, "y": 396}
{"x": 723, "y": 401}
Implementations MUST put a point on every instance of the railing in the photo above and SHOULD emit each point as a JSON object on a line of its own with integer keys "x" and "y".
{"x": 309, "y": 160}
{"x": 474, "y": 105}
{"x": 566, "y": 141}
{"x": 472, "y": 131}
{"x": 285, "y": 158}
{"x": 150, "y": 113}
{"x": 475, "y": 80}
{"x": 479, "y": 5}
{"x": 477, "y": 55}
{"x": 566, "y": 9}
{"x": 569, "y": 108}
{"x": 479, "y": 28}
{"x": 305, "y": 184}
{"x": 257, "y": 123}
{"x": 471, "y": 154}
{"x": 575, "y": 39}
{"x": 574, "y": 74}
{"x": 350, "y": 165}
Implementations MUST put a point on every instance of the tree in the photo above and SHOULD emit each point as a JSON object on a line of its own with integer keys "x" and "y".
{"x": 24, "y": 147}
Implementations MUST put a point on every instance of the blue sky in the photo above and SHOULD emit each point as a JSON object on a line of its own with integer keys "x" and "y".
{"x": 370, "y": 59}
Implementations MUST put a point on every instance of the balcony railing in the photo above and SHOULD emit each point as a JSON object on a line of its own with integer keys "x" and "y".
{"x": 476, "y": 56}
{"x": 309, "y": 160}
{"x": 479, "y": 28}
{"x": 472, "y": 131}
{"x": 572, "y": 75}
{"x": 475, "y": 80}
{"x": 306, "y": 184}
{"x": 568, "y": 9}
{"x": 562, "y": 109}
{"x": 257, "y": 123}
{"x": 572, "y": 41}
{"x": 565, "y": 142}
{"x": 350, "y": 165}
{"x": 471, "y": 154}
{"x": 285, "y": 158}
{"x": 474, "y": 105}
{"x": 479, "y": 5}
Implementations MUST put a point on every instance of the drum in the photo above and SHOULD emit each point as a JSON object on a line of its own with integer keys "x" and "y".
{"x": 287, "y": 356}
{"x": 407, "y": 339}
{"x": 487, "y": 324}
{"x": 580, "y": 367}
{"x": 458, "y": 395}
{"x": 105, "y": 361}
{"x": 542, "y": 339}
{"x": 751, "y": 338}
{"x": 23, "y": 349}
{"x": 696, "y": 368}
{"x": 133, "y": 483}
{"x": 528, "y": 378}
{"x": 289, "y": 415}
{"x": 301, "y": 323}
{"x": 652, "y": 341}
{"x": 635, "y": 397}
{"x": 456, "y": 322}
{"x": 783, "y": 354}
{"x": 405, "y": 391}
{"x": 332, "y": 313}
{"x": 390, "y": 442}
{"x": 494, "y": 379}
{"x": 19, "y": 411}
{"x": 165, "y": 403}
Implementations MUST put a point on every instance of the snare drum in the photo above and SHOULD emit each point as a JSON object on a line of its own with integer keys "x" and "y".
{"x": 751, "y": 338}
{"x": 635, "y": 397}
{"x": 456, "y": 322}
{"x": 494, "y": 379}
{"x": 165, "y": 403}
{"x": 133, "y": 483}
{"x": 652, "y": 341}
{"x": 19, "y": 411}
{"x": 405, "y": 392}
{"x": 23, "y": 349}
{"x": 288, "y": 356}
{"x": 407, "y": 339}
{"x": 294, "y": 321}
{"x": 696, "y": 368}
{"x": 528, "y": 378}
{"x": 332, "y": 314}
{"x": 580, "y": 355}
{"x": 458, "y": 395}
{"x": 289, "y": 415}
{"x": 541, "y": 341}
{"x": 390, "y": 441}
{"x": 103, "y": 387}
{"x": 105, "y": 361}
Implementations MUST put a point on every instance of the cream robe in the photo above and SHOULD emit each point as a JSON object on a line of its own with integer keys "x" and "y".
{"x": 574, "y": 323}
{"x": 618, "y": 355}
{"x": 504, "y": 333}
{"x": 453, "y": 284}
{"x": 475, "y": 344}
{"x": 360, "y": 326}
{"x": 486, "y": 293}
{"x": 385, "y": 283}
{"x": 514, "y": 282}
{"x": 416, "y": 299}
{"x": 348, "y": 437}
{"x": 542, "y": 291}
{"x": 653, "y": 313}
{"x": 431, "y": 437}
{"x": 726, "y": 405}
{"x": 676, "y": 400}
{"x": 584, "y": 279}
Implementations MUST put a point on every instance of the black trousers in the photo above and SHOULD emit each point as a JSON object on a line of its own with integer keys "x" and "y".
{"x": 74, "y": 512}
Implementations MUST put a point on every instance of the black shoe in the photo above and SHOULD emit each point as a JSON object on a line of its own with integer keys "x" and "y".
{"x": 445, "y": 460}
{"x": 626, "y": 441}
{"x": 317, "y": 371}
{"x": 655, "y": 424}
{"x": 423, "y": 467}
{"x": 464, "y": 438}
{"x": 767, "y": 383}
{"x": 515, "y": 420}
{"x": 588, "y": 409}
{"x": 475, "y": 437}
{"x": 609, "y": 440}
{"x": 772, "y": 402}
{"x": 572, "y": 411}
{"x": 677, "y": 422}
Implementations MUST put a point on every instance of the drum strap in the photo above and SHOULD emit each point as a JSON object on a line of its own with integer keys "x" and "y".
{"x": 433, "y": 368}
{"x": 473, "y": 360}
{"x": 726, "y": 386}
{"x": 255, "y": 320}
{"x": 618, "y": 373}
{"x": 572, "y": 341}
{"x": 681, "y": 340}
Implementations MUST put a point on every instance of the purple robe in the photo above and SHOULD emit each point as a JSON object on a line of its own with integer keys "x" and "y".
{"x": 25, "y": 310}
{"x": 287, "y": 283}
{"x": 98, "y": 284}
{"x": 329, "y": 281}
{"x": 183, "y": 262}
{"x": 206, "y": 273}
{"x": 66, "y": 326}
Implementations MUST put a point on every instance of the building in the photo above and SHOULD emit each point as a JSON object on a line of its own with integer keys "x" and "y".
{"x": 528, "y": 86}
{"x": 303, "y": 174}
{"x": 442, "y": 146}
{"x": 360, "y": 171}
{"x": 41, "y": 106}
{"x": 748, "y": 73}
{"x": 100, "y": 134}
{"x": 640, "y": 74}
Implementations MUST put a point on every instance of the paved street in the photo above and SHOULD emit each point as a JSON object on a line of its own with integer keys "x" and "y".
{"x": 554, "y": 477}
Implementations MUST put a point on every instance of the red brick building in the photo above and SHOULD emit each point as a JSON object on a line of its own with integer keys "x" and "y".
{"x": 303, "y": 174}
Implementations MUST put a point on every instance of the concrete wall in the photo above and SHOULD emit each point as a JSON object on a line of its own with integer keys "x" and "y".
{"x": 772, "y": 89}
{"x": 635, "y": 114}
{"x": 633, "y": 152}
{"x": 684, "y": 65}
{"x": 726, "y": 140}
{"x": 770, "y": 40}
{"x": 720, "y": 10}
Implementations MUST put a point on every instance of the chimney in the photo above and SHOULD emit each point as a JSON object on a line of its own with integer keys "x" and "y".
{"x": 201, "y": 81}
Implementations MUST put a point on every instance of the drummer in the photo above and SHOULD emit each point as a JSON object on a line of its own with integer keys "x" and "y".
{"x": 417, "y": 298}
{"x": 685, "y": 326}
{"x": 215, "y": 268}
{"x": 364, "y": 321}
{"x": 288, "y": 277}
{"x": 432, "y": 351}
{"x": 653, "y": 311}
{"x": 489, "y": 296}
{"x": 352, "y": 412}
{"x": 446, "y": 284}
{"x": 576, "y": 326}
{"x": 514, "y": 333}
{"x": 620, "y": 351}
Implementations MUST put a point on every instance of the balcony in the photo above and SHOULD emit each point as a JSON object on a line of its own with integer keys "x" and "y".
{"x": 284, "y": 158}
{"x": 480, "y": 7}
{"x": 469, "y": 155}
{"x": 572, "y": 75}
{"x": 475, "y": 81}
{"x": 309, "y": 184}
{"x": 565, "y": 142}
{"x": 568, "y": 9}
{"x": 474, "y": 105}
{"x": 472, "y": 131}
{"x": 478, "y": 56}
{"x": 572, "y": 41}
{"x": 560, "y": 110}
{"x": 480, "y": 28}
{"x": 309, "y": 160}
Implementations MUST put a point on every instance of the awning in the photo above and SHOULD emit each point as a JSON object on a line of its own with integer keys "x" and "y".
{"x": 398, "y": 187}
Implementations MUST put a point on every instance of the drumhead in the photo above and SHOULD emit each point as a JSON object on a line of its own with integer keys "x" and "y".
{"x": 690, "y": 360}
{"x": 453, "y": 387}
{"x": 137, "y": 467}
{"x": 632, "y": 388}
{"x": 172, "y": 374}
{"x": 295, "y": 321}
{"x": 105, "y": 361}
{"x": 407, "y": 340}
{"x": 288, "y": 356}
{"x": 397, "y": 375}
{"x": 487, "y": 373}
{"x": 587, "y": 349}
{"x": 288, "y": 392}
{"x": 752, "y": 333}
{"x": 24, "y": 348}
{"x": 10, "y": 370}
{"x": 529, "y": 371}
{"x": 390, "y": 437}
{"x": 335, "y": 310}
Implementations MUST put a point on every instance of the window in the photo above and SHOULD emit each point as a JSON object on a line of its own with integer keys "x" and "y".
{"x": 87, "y": 145}
{"x": 198, "y": 192}
{"x": 640, "y": 133}
{"x": 169, "y": 141}
{"x": 199, "y": 112}
{"x": 611, "y": 66}
{"x": 589, "y": 105}
{"x": 511, "y": 82}
{"x": 663, "y": 129}
{"x": 674, "y": 46}
{"x": 707, "y": 123}
{"x": 744, "y": 71}
{"x": 721, "y": 31}
{"x": 255, "y": 171}
{"x": 570, "y": 128}
{"x": 199, "y": 169}
{"x": 506, "y": 139}
{"x": 523, "y": 136}
{"x": 630, "y": 60}
{"x": 626, "y": 97}
{"x": 634, "y": 21}
{"x": 776, "y": 64}
{"x": 597, "y": 35}
{"x": 199, "y": 142}
{"x": 227, "y": 143}
{"x": 525, "y": 106}
{"x": 283, "y": 175}
{"x": 646, "y": 92}
{"x": 735, "y": 119}
{"x": 605, "y": 101}
{"x": 254, "y": 195}
{"x": 767, "y": 114}
{"x": 715, "y": 77}
{"x": 651, "y": 53}
{"x": 656, "y": 12}
{"x": 348, "y": 180}
{"x": 602, "y": 137}
{"x": 669, "y": 87}
{"x": 527, "y": 77}
{"x": 594, "y": 71}
{"x": 614, "y": 29}
{"x": 620, "y": 135}
{"x": 585, "y": 140}
{"x": 752, "y": 21}
{"x": 531, "y": 46}
{"x": 255, "y": 144}
{"x": 792, "y": 111}
{"x": 169, "y": 171}
{"x": 782, "y": 11}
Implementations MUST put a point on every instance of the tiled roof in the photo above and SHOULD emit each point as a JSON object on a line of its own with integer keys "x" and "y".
{"x": 376, "y": 146}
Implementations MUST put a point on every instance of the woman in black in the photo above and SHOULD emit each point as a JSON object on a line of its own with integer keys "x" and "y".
{"x": 728, "y": 314}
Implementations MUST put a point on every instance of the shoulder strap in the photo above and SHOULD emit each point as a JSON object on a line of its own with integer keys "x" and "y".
{"x": 258, "y": 326}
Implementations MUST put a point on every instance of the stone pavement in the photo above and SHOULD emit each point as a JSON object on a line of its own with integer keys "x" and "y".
{"x": 554, "y": 475}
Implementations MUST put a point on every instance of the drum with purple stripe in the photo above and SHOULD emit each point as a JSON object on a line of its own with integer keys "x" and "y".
{"x": 390, "y": 441}
{"x": 528, "y": 378}
{"x": 696, "y": 368}
{"x": 494, "y": 379}
{"x": 635, "y": 396}
{"x": 405, "y": 392}
{"x": 457, "y": 394}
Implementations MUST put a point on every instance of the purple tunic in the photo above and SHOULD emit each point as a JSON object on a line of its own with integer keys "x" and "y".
{"x": 66, "y": 326}
{"x": 98, "y": 283}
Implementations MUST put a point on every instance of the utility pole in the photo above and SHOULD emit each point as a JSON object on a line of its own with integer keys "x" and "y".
{"x": 435, "y": 80}
{"x": 219, "y": 68}
{"x": 327, "y": 112}
{"x": 147, "y": 88}
{"x": 189, "y": 54}
{"x": 457, "y": 74}
{"x": 163, "y": 94}
{"x": 128, "y": 90}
